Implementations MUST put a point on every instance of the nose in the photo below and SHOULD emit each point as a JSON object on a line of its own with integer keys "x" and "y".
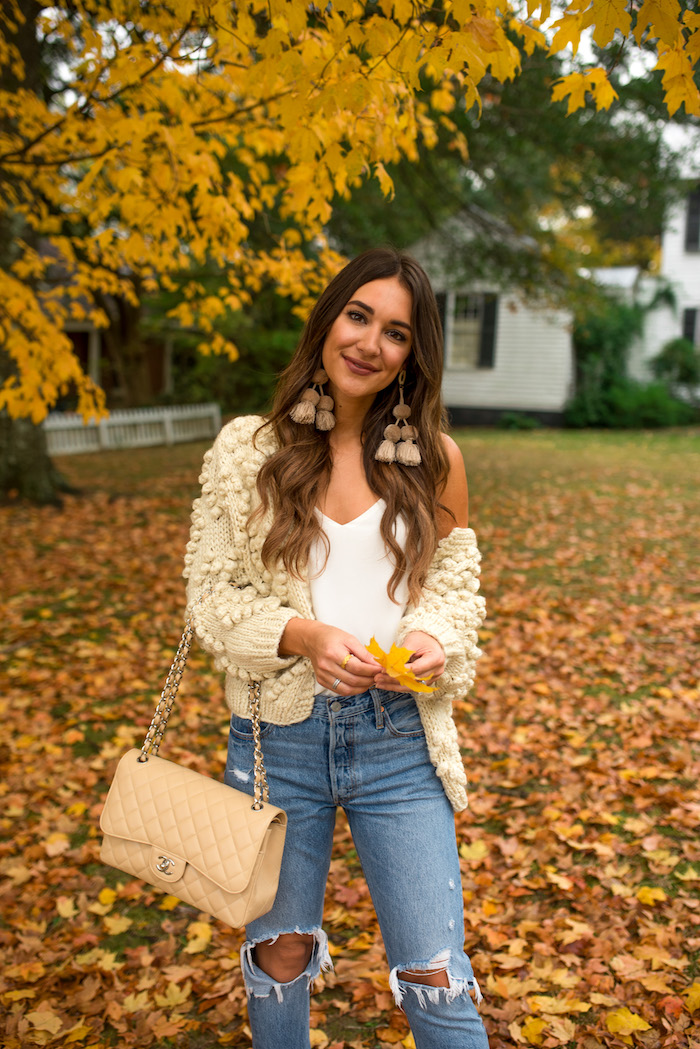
{"x": 369, "y": 341}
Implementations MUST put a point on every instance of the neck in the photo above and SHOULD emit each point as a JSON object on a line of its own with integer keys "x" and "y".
{"x": 349, "y": 418}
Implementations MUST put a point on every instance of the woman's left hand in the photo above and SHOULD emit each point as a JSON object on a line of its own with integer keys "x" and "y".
{"x": 427, "y": 661}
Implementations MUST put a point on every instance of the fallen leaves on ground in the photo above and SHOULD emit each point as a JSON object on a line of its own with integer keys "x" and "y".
{"x": 579, "y": 851}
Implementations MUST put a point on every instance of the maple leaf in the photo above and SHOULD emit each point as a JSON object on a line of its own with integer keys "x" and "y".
{"x": 533, "y": 1030}
{"x": 650, "y": 895}
{"x": 174, "y": 995}
{"x": 692, "y": 997}
{"x": 45, "y": 1020}
{"x": 394, "y": 662}
{"x": 624, "y": 1022}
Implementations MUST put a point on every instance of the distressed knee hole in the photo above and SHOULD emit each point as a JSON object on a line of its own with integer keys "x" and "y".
{"x": 432, "y": 979}
{"x": 270, "y": 965}
{"x": 285, "y": 957}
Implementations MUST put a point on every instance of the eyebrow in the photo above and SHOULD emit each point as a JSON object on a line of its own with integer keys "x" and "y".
{"x": 398, "y": 324}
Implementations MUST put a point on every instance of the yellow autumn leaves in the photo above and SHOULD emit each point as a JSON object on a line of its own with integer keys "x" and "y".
{"x": 395, "y": 663}
{"x": 149, "y": 171}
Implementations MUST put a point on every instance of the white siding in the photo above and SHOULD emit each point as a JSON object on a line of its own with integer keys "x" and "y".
{"x": 533, "y": 363}
{"x": 681, "y": 269}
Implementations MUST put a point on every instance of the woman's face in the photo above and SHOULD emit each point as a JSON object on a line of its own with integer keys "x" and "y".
{"x": 369, "y": 341}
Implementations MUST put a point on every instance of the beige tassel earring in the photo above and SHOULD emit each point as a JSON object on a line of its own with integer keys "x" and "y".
{"x": 398, "y": 444}
{"x": 315, "y": 406}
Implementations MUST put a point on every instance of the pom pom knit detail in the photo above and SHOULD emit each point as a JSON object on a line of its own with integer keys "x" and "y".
{"x": 242, "y": 621}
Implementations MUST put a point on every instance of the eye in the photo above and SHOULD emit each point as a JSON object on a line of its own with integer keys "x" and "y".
{"x": 355, "y": 315}
{"x": 398, "y": 335}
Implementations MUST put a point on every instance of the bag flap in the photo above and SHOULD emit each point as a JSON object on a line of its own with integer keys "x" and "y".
{"x": 201, "y": 820}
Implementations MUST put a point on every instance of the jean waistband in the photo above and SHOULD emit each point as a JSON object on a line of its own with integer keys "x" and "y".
{"x": 373, "y": 700}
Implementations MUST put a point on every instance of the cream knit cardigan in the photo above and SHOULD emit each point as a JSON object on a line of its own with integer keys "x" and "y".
{"x": 242, "y": 620}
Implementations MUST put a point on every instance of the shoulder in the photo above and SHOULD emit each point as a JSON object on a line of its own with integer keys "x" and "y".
{"x": 240, "y": 438}
{"x": 455, "y": 458}
{"x": 454, "y": 495}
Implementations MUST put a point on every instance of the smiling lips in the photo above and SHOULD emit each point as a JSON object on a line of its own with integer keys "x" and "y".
{"x": 358, "y": 367}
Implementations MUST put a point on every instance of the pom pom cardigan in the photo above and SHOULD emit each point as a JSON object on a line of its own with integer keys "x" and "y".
{"x": 242, "y": 619}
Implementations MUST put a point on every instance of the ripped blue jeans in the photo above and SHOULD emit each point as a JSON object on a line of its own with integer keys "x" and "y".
{"x": 366, "y": 753}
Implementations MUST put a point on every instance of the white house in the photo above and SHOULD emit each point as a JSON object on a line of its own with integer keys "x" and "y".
{"x": 502, "y": 354}
{"x": 679, "y": 269}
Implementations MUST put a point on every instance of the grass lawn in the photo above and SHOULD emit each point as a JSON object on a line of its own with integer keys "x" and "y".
{"x": 580, "y": 849}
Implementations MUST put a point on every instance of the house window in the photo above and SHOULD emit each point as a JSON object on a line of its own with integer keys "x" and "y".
{"x": 470, "y": 330}
{"x": 692, "y": 222}
{"x": 691, "y": 328}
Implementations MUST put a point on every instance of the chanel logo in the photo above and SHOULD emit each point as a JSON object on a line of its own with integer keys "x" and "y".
{"x": 164, "y": 862}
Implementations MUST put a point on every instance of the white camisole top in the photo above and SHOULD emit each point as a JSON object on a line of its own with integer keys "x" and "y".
{"x": 350, "y": 592}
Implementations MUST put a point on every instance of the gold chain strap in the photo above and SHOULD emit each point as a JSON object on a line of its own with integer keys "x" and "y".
{"x": 261, "y": 790}
{"x": 159, "y": 721}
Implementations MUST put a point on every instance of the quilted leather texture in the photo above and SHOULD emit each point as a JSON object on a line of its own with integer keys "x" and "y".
{"x": 194, "y": 837}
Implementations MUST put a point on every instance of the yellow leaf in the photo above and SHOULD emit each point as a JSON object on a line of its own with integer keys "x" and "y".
{"x": 575, "y": 86}
{"x": 611, "y": 15}
{"x": 562, "y": 1029}
{"x": 394, "y": 662}
{"x": 168, "y": 903}
{"x": 133, "y": 1003}
{"x": 544, "y": 1003}
{"x": 56, "y": 844}
{"x": 76, "y": 1034}
{"x": 199, "y": 930}
{"x": 17, "y": 996}
{"x": 318, "y": 1038}
{"x": 560, "y": 880}
{"x": 66, "y": 907}
{"x": 174, "y": 995}
{"x": 107, "y": 897}
{"x": 624, "y": 1022}
{"x": 660, "y": 14}
{"x": 650, "y": 895}
{"x": 690, "y": 875}
{"x": 105, "y": 960}
{"x": 532, "y": 1029}
{"x": 409, "y": 1042}
{"x": 476, "y": 852}
{"x": 385, "y": 181}
{"x": 602, "y": 999}
{"x": 117, "y": 924}
{"x": 657, "y": 983}
{"x": 196, "y": 946}
{"x": 692, "y": 996}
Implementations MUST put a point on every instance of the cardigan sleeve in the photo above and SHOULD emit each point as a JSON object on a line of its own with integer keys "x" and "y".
{"x": 237, "y": 617}
{"x": 451, "y": 610}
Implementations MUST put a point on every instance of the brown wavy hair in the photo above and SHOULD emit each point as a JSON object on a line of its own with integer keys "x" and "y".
{"x": 295, "y": 477}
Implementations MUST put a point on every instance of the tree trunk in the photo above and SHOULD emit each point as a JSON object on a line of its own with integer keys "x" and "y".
{"x": 26, "y": 471}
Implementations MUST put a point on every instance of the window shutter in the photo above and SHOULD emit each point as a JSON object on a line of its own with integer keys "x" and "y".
{"x": 692, "y": 225}
{"x": 487, "y": 344}
{"x": 690, "y": 322}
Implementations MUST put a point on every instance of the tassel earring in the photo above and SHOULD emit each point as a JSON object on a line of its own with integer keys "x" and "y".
{"x": 399, "y": 437}
{"x": 315, "y": 406}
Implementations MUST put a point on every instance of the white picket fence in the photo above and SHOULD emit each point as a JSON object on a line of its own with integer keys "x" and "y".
{"x": 67, "y": 434}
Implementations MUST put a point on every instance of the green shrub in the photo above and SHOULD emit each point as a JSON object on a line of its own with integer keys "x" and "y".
{"x": 678, "y": 363}
{"x": 517, "y": 421}
{"x": 628, "y": 405}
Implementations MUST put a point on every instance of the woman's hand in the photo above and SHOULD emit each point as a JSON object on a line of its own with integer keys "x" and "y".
{"x": 328, "y": 648}
{"x": 427, "y": 661}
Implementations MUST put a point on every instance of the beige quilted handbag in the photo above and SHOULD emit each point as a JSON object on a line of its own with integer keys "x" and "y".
{"x": 189, "y": 835}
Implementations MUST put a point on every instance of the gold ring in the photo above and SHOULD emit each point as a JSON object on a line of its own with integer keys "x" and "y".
{"x": 346, "y": 661}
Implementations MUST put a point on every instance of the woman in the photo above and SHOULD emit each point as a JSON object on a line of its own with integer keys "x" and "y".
{"x": 333, "y": 521}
